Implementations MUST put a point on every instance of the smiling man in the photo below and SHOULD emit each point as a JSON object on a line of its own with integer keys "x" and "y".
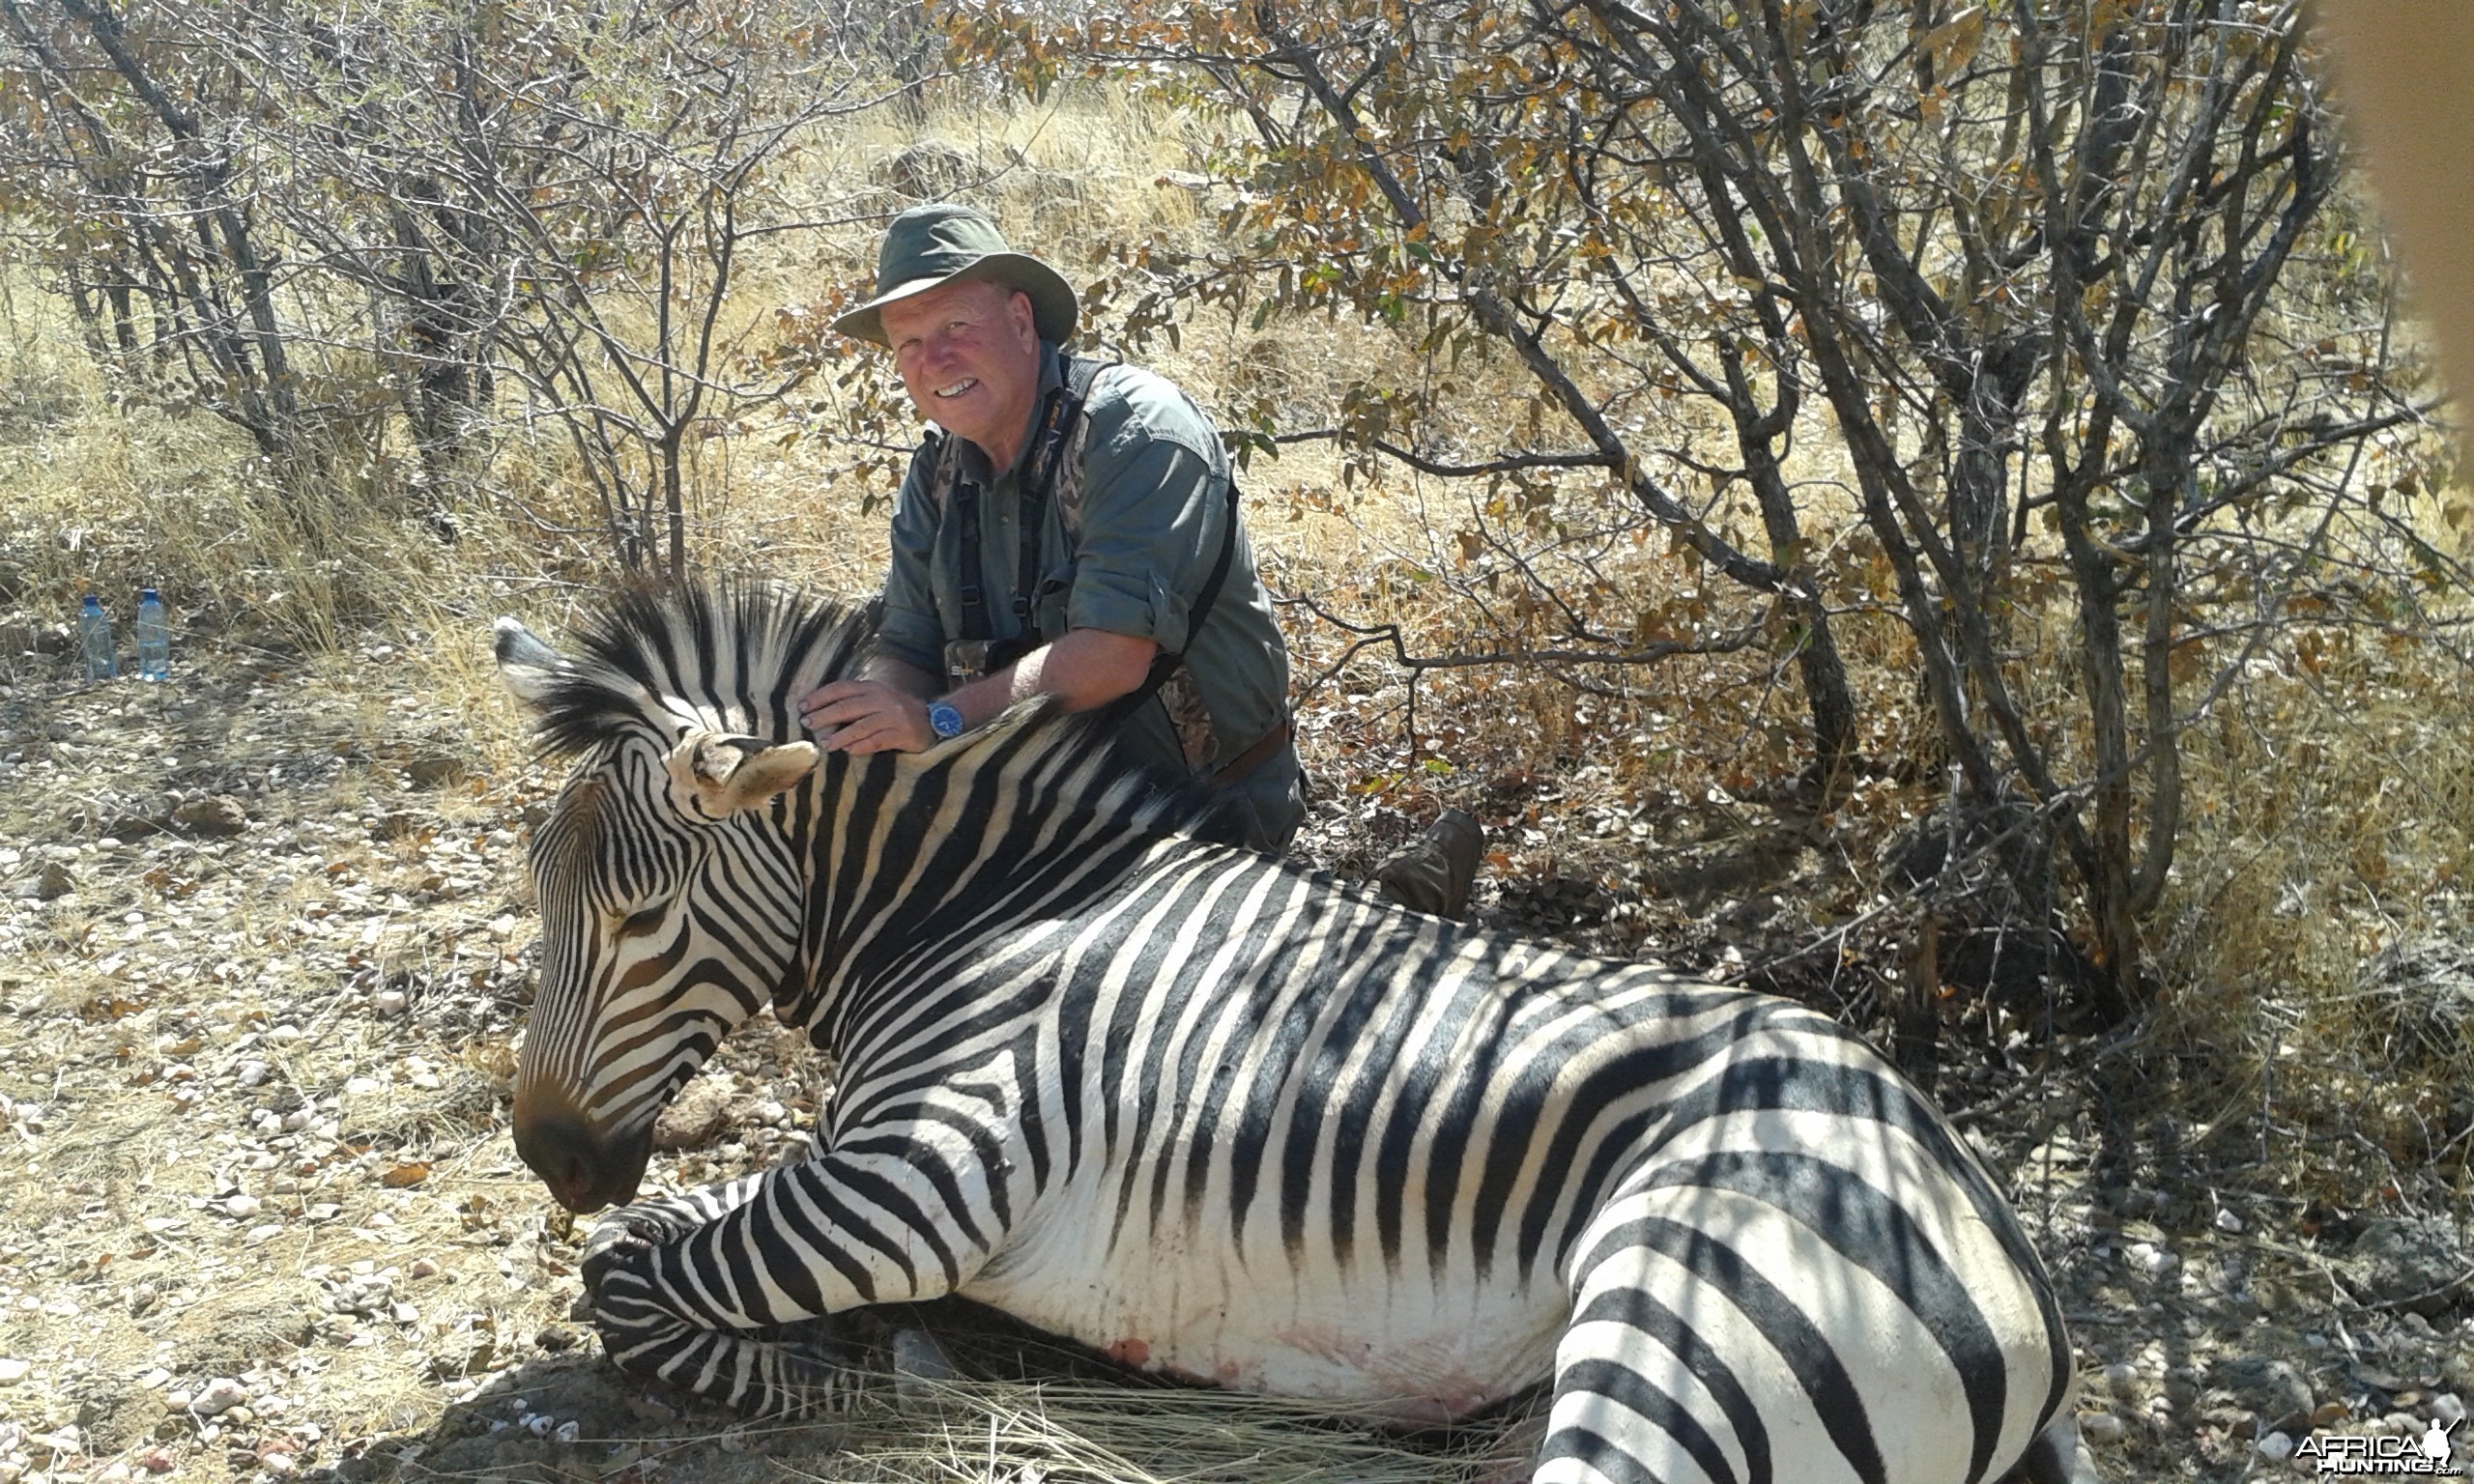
{"x": 1071, "y": 529}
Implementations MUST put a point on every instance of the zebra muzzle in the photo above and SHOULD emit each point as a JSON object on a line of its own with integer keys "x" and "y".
{"x": 583, "y": 1168}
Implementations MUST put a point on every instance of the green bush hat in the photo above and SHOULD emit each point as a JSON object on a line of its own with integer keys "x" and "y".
{"x": 929, "y": 247}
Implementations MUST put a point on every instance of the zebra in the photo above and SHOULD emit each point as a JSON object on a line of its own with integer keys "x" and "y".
{"x": 1216, "y": 1115}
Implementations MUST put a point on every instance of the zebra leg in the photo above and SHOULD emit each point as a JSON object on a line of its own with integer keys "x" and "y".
{"x": 754, "y": 1373}
{"x": 1714, "y": 1337}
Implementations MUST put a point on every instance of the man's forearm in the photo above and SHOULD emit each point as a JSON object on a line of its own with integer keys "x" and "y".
{"x": 1086, "y": 668}
{"x": 901, "y": 674}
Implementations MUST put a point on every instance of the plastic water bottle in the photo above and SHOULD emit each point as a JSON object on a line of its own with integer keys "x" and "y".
{"x": 95, "y": 649}
{"x": 154, "y": 638}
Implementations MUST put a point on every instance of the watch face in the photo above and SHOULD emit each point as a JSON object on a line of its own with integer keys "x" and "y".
{"x": 946, "y": 719}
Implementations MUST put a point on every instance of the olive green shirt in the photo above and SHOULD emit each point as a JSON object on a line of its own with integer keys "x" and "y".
{"x": 1126, "y": 541}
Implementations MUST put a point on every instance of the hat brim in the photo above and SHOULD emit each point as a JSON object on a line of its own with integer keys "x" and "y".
{"x": 1054, "y": 310}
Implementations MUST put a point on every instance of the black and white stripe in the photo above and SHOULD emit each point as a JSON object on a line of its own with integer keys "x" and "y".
{"x": 1220, "y": 1116}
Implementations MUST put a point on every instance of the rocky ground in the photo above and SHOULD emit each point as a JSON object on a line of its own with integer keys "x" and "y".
{"x": 264, "y": 946}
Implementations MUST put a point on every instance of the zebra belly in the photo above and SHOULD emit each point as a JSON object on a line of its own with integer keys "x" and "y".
{"x": 1187, "y": 1306}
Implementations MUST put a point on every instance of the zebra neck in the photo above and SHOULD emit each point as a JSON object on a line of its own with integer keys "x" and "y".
{"x": 914, "y": 871}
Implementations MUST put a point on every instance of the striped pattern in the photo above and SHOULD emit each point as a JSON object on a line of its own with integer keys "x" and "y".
{"x": 1224, "y": 1117}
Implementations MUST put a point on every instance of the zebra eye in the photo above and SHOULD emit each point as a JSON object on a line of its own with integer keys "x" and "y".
{"x": 641, "y": 922}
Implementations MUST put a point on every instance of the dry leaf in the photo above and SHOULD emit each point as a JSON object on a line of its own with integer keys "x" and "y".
{"x": 1954, "y": 41}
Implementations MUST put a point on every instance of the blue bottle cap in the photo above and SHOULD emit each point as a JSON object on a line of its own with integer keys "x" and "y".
{"x": 94, "y": 603}
{"x": 146, "y": 595}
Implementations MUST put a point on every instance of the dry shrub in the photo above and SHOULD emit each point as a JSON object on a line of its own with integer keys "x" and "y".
{"x": 2317, "y": 935}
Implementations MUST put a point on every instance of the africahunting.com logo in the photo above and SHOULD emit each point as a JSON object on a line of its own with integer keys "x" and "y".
{"x": 2429, "y": 1456}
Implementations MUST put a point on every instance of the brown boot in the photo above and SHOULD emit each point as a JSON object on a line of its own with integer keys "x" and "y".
{"x": 1431, "y": 873}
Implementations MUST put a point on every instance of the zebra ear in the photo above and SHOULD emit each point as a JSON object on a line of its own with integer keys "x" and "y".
{"x": 528, "y": 664}
{"x": 714, "y": 776}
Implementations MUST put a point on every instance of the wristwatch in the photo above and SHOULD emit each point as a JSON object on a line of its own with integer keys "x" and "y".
{"x": 945, "y": 718}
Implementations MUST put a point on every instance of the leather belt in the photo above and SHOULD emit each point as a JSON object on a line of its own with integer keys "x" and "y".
{"x": 1255, "y": 754}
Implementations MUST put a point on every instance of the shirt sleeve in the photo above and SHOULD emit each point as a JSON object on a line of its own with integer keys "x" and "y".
{"x": 1150, "y": 530}
{"x": 910, "y": 630}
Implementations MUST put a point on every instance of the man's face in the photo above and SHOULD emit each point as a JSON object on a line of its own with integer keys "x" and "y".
{"x": 969, "y": 357}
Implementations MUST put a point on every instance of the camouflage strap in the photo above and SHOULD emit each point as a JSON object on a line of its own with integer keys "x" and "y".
{"x": 1060, "y": 413}
{"x": 1163, "y": 664}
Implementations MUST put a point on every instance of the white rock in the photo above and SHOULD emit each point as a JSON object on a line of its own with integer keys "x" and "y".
{"x": 283, "y": 1034}
{"x": 296, "y": 1120}
{"x": 241, "y": 1207}
{"x": 539, "y": 1425}
{"x": 388, "y": 1003}
{"x": 219, "y": 1396}
{"x": 252, "y": 1073}
{"x": 2227, "y": 1221}
{"x": 2151, "y": 1259}
{"x": 14, "y": 1371}
{"x": 2448, "y": 1409}
{"x": 422, "y": 1267}
{"x": 362, "y": 1087}
{"x": 568, "y": 1432}
{"x": 178, "y": 1400}
{"x": 2276, "y": 1448}
{"x": 280, "y": 1464}
{"x": 267, "y": 1232}
{"x": 2100, "y": 1427}
{"x": 2122, "y": 1377}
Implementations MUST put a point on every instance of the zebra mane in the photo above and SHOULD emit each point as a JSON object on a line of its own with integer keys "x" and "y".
{"x": 743, "y": 651}
{"x": 738, "y": 654}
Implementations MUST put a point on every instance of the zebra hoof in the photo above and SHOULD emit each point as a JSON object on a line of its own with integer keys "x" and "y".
{"x": 621, "y": 1239}
{"x": 921, "y": 1367}
{"x": 610, "y": 1254}
{"x": 2057, "y": 1456}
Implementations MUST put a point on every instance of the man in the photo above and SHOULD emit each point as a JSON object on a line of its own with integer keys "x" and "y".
{"x": 1071, "y": 530}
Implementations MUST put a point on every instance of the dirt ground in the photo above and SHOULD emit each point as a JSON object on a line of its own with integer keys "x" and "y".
{"x": 264, "y": 948}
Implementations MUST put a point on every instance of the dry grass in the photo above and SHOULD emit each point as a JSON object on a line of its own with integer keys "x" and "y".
{"x": 2329, "y": 863}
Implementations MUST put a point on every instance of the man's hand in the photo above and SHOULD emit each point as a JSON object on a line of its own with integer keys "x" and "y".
{"x": 867, "y": 716}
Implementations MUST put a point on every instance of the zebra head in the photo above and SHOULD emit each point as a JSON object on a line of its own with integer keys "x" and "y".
{"x": 668, "y": 872}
